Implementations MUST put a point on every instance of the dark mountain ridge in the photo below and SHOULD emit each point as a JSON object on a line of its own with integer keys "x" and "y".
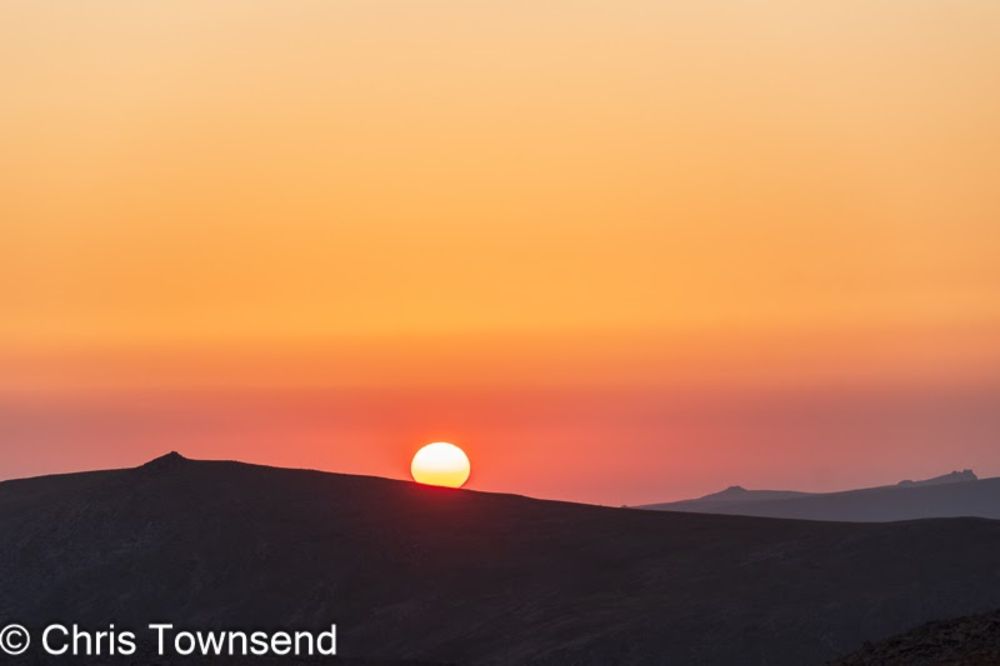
{"x": 738, "y": 494}
{"x": 958, "y": 494}
{"x": 410, "y": 572}
{"x": 964, "y": 476}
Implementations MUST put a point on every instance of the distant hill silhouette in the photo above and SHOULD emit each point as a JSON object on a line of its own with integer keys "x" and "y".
{"x": 736, "y": 494}
{"x": 952, "y": 477}
{"x": 958, "y": 494}
{"x": 410, "y": 572}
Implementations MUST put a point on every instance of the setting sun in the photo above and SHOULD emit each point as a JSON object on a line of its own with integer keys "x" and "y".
{"x": 440, "y": 464}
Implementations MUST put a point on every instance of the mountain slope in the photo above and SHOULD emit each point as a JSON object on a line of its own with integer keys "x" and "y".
{"x": 411, "y": 572}
{"x": 965, "y": 641}
{"x": 906, "y": 501}
{"x": 964, "y": 476}
{"x": 733, "y": 495}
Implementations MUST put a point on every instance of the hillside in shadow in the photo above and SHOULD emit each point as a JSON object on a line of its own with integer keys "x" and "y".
{"x": 410, "y": 572}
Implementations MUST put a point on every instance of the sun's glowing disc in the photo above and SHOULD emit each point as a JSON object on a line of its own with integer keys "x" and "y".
{"x": 440, "y": 464}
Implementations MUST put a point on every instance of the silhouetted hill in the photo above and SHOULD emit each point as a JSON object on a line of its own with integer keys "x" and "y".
{"x": 736, "y": 495}
{"x": 419, "y": 573}
{"x": 965, "y": 641}
{"x": 952, "y": 477}
{"x": 959, "y": 494}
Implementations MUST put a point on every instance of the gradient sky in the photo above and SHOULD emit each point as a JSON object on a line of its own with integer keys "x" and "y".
{"x": 618, "y": 251}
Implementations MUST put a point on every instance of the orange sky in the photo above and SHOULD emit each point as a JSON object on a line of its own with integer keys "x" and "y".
{"x": 394, "y": 208}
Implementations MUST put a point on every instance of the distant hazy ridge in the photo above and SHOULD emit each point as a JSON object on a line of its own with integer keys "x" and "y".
{"x": 958, "y": 494}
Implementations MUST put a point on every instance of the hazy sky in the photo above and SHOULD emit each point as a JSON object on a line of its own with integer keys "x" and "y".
{"x": 623, "y": 251}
